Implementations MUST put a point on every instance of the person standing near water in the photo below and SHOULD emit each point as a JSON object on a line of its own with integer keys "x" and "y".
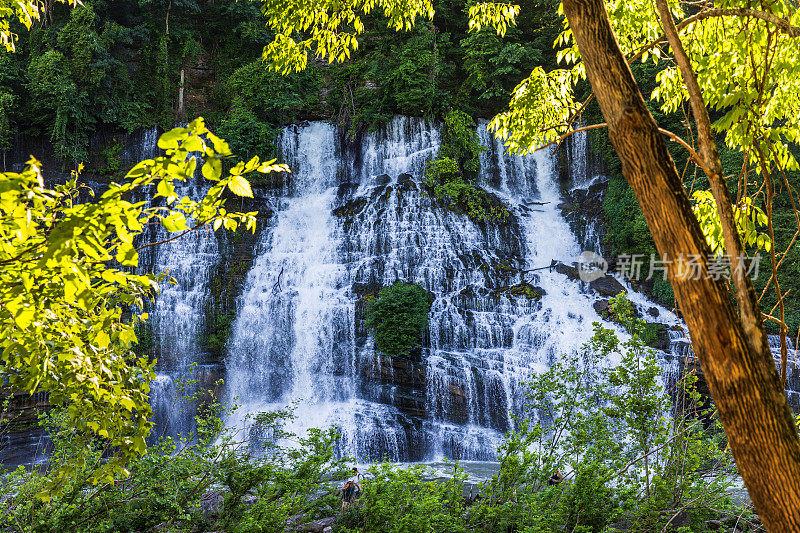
{"x": 351, "y": 489}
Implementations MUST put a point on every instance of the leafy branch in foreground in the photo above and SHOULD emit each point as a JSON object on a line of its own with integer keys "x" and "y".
{"x": 66, "y": 281}
{"x": 26, "y": 12}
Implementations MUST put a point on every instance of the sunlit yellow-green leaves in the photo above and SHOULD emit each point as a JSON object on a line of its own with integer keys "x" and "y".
{"x": 539, "y": 110}
{"x": 328, "y": 28}
{"x": 23, "y": 10}
{"x": 749, "y": 218}
{"x": 497, "y": 16}
{"x": 728, "y": 49}
{"x": 731, "y": 54}
{"x": 63, "y": 298}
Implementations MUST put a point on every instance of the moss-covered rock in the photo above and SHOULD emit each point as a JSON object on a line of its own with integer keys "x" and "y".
{"x": 350, "y": 208}
{"x": 525, "y": 289}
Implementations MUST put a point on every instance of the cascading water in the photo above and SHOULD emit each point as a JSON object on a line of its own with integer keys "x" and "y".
{"x": 177, "y": 317}
{"x": 682, "y": 359}
{"x": 177, "y": 320}
{"x": 356, "y": 219}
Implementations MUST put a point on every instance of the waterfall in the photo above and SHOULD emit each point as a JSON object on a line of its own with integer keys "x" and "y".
{"x": 356, "y": 218}
{"x": 177, "y": 317}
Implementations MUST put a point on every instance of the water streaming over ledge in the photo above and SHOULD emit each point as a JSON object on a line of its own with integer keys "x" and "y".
{"x": 178, "y": 316}
{"x": 355, "y": 219}
{"x": 350, "y": 220}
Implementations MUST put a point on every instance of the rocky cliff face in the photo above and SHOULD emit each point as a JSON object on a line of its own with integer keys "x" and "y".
{"x": 279, "y": 314}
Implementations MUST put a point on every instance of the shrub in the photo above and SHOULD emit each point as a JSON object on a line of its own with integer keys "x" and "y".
{"x": 165, "y": 487}
{"x": 460, "y": 142}
{"x": 445, "y": 179}
{"x": 459, "y": 156}
{"x": 399, "y": 500}
{"x": 398, "y": 318}
{"x": 607, "y": 429}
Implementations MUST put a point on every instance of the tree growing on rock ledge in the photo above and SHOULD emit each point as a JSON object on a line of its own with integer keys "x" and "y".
{"x": 398, "y": 318}
{"x": 740, "y": 60}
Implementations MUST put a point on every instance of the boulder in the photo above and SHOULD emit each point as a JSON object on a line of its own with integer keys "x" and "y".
{"x": 405, "y": 182}
{"x": 525, "y": 289}
{"x": 607, "y": 286}
{"x": 570, "y": 271}
{"x": 211, "y": 504}
{"x": 295, "y": 519}
{"x": 601, "y": 306}
{"x": 317, "y": 526}
{"x": 653, "y": 312}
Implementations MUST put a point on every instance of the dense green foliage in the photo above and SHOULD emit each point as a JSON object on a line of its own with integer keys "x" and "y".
{"x": 460, "y": 142}
{"x": 402, "y": 501}
{"x": 398, "y": 318}
{"x": 625, "y": 462}
{"x": 598, "y": 417}
{"x": 167, "y": 488}
{"x": 113, "y": 67}
{"x": 453, "y": 175}
{"x": 64, "y": 293}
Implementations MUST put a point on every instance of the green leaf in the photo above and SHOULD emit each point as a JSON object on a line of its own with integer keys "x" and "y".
{"x": 212, "y": 169}
{"x": 174, "y": 222}
{"x": 240, "y": 187}
{"x": 172, "y": 138}
{"x": 165, "y": 188}
{"x": 127, "y": 255}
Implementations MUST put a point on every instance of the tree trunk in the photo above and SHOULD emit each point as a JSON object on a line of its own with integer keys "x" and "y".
{"x": 181, "y": 113}
{"x": 740, "y": 371}
{"x": 749, "y": 313}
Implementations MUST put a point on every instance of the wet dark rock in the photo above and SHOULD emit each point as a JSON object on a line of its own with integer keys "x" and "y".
{"x": 383, "y": 179}
{"x": 583, "y": 210}
{"x": 653, "y": 311}
{"x": 347, "y": 189}
{"x": 607, "y": 286}
{"x": 602, "y": 308}
{"x": 570, "y": 271}
{"x": 360, "y": 288}
{"x": 351, "y": 208}
{"x": 523, "y": 289}
{"x": 405, "y": 182}
{"x": 397, "y": 371}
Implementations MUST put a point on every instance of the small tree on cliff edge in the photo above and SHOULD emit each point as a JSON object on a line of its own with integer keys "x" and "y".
{"x": 755, "y": 85}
